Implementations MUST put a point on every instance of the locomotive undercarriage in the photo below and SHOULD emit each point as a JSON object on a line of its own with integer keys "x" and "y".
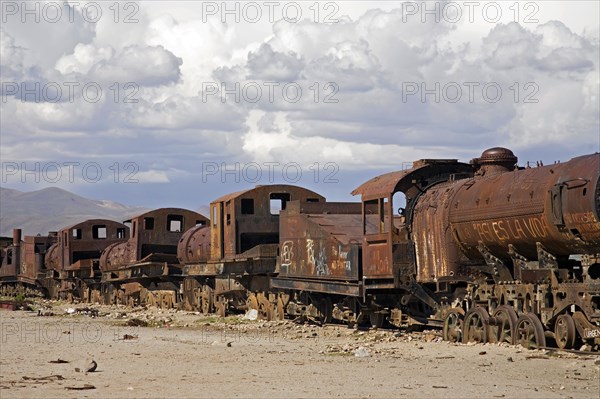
{"x": 533, "y": 314}
{"x": 544, "y": 305}
{"x": 21, "y": 287}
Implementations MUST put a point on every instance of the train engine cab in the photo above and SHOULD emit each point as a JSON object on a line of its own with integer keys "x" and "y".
{"x": 73, "y": 262}
{"x": 145, "y": 268}
{"x": 22, "y": 264}
{"x": 238, "y": 251}
{"x": 389, "y": 254}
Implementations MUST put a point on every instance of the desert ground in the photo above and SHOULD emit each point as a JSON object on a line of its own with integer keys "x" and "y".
{"x": 153, "y": 353}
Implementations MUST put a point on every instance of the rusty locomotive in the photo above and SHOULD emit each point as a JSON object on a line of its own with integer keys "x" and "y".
{"x": 487, "y": 251}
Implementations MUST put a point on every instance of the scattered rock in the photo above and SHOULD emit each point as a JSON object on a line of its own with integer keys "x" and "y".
{"x": 45, "y": 313}
{"x": 54, "y": 377}
{"x": 82, "y": 388}
{"x": 137, "y": 323}
{"x": 362, "y": 352}
{"x": 483, "y": 353}
{"x": 58, "y": 361}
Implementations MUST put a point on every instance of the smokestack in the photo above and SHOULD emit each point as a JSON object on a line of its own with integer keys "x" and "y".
{"x": 16, "y": 237}
{"x": 16, "y": 259}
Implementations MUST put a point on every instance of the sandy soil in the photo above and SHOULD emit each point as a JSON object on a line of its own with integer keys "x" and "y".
{"x": 181, "y": 354}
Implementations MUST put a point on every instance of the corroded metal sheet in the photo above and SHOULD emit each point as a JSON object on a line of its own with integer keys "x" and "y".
{"x": 555, "y": 205}
{"x": 24, "y": 259}
{"x": 321, "y": 245}
{"x": 82, "y": 243}
{"x": 245, "y": 219}
{"x": 194, "y": 245}
{"x": 153, "y": 233}
{"x": 436, "y": 253}
{"x": 422, "y": 170}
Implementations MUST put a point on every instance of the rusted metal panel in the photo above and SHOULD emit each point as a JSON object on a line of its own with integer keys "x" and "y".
{"x": 242, "y": 220}
{"x": 436, "y": 252}
{"x": 555, "y": 205}
{"x": 23, "y": 260}
{"x": 80, "y": 246}
{"x": 34, "y": 249}
{"x": 194, "y": 245}
{"x": 384, "y": 185}
{"x": 152, "y": 233}
{"x": 340, "y": 288}
{"x": 377, "y": 259}
{"x": 322, "y": 245}
{"x": 387, "y": 249}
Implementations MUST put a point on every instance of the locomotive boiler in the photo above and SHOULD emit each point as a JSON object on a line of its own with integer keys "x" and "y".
{"x": 524, "y": 239}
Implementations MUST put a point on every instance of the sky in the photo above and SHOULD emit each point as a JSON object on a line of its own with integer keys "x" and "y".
{"x": 177, "y": 103}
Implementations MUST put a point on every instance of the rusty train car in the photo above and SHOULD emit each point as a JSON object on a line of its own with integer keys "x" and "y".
{"x": 73, "y": 262}
{"x": 22, "y": 263}
{"x": 487, "y": 251}
{"x": 145, "y": 269}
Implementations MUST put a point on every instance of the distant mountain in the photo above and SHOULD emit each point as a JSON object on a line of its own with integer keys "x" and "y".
{"x": 51, "y": 209}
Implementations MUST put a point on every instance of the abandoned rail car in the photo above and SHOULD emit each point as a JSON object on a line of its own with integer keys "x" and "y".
{"x": 228, "y": 264}
{"x": 145, "y": 269}
{"x": 73, "y": 262}
{"x": 22, "y": 265}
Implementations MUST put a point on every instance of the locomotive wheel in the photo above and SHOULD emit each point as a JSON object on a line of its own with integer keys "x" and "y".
{"x": 564, "y": 331}
{"x": 251, "y": 302}
{"x": 475, "y": 328}
{"x": 529, "y": 332}
{"x": 279, "y": 313}
{"x": 506, "y": 320}
{"x": 265, "y": 308}
{"x": 187, "y": 302}
{"x": 453, "y": 326}
{"x": 207, "y": 300}
{"x": 151, "y": 299}
{"x": 197, "y": 301}
{"x": 166, "y": 300}
{"x": 221, "y": 306}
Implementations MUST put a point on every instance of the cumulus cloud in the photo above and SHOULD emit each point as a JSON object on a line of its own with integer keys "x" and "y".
{"x": 144, "y": 65}
{"x": 267, "y": 64}
{"x": 375, "y": 87}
